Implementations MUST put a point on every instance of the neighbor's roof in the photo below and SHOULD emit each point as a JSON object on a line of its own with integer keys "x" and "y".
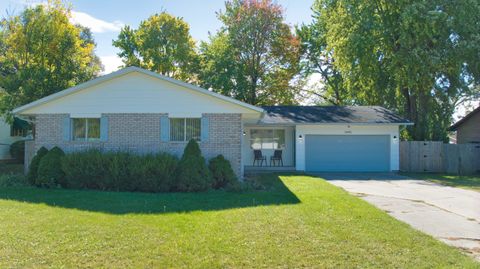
{"x": 122, "y": 72}
{"x": 330, "y": 115}
{"x": 464, "y": 119}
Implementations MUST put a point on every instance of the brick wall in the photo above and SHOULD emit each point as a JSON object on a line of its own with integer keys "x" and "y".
{"x": 140, "y": 133}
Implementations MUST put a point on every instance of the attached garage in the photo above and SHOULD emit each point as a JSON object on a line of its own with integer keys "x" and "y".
{"x": 347, "y": 153}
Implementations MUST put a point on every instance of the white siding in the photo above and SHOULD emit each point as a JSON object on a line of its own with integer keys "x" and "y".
{"x": 138, "y": 93}
{"x": 391, "y": 130}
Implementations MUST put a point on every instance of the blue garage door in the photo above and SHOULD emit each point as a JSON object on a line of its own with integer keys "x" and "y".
{"x": 347, "y": 153}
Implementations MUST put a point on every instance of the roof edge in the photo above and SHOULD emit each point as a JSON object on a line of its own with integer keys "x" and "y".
{"x": 125, "y": 71}
{"x": 457, "y": 124}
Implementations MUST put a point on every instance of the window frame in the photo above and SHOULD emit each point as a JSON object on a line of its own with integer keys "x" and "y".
{"x": 185, "y": 129}
{"x": 272, "y": 139}
{"x": 86, "y": 133}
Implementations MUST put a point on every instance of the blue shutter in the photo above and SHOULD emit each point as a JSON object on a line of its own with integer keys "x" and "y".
{"x": 164, "y": 128}
{"x": 204, "y": 129}
{"x": 67, "y": 127}
{"x": 104, "y": 128}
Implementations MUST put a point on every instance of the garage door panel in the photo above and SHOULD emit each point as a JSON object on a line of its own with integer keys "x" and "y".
{"x": 347, "y": 153}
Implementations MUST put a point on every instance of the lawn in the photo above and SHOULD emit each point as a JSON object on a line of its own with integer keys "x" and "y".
{"x": 297, "y": 221}
{"x": 471, "y": 182}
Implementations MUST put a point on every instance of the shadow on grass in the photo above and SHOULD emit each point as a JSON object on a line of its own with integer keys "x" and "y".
{"x": 275, "y": 193}
{"x": 468, "y": 181}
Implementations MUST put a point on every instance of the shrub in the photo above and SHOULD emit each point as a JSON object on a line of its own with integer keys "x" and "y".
{"x": 153, "y": 173}
{"x": 85, "y": 169}
{"x": 17, "y": 150}
{"x": 119, "y": 171}
{"x": 13, "y": 180}
{"x": 33, "y": 168}
{"x": 50, "y": 172}
{"x": 222, "y": 172}
{"x": 192, "y": 172}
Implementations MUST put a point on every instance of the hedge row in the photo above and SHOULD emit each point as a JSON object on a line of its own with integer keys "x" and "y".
{"x": 123, "y": 171}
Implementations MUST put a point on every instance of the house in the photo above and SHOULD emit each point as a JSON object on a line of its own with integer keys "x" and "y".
{"x": 10, "y": 133}
{"x": 141, "y": 111}
{"x": 468, "y": 128}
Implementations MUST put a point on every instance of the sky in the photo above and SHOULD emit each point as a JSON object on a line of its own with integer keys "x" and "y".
{"x": 106, "y": 17}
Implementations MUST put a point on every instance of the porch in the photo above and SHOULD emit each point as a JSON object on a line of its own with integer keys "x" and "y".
{"x": 268, "y": 142}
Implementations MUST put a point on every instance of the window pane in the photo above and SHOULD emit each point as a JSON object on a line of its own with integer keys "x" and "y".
{"x": 93, "y": 128}
{"x": 279, "y": 139}
{"x": 193, "y": 129}
{"x": 79, "y": 129}
{"x": 177, "y": 129}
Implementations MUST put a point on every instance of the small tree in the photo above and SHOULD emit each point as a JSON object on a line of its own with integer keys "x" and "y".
{"x": 50, "y": 171}
{"x": 192, "y": 172}
{"x": 33, "y": 168}
{"x": 222, "y": 172}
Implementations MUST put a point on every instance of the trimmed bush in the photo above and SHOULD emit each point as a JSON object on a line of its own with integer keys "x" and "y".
{"x": 13, "y": 180}
{"x": 192, "y": 172}
{"x": 86, "y": 169}
{"x": 153, "y": 173}
{"x": 222, "y": 172}
{"x": 33, "y": 168}
{"x": 17, "y": 150}
{"x": 119, "y": 171}
{"x": 50, "y": 172}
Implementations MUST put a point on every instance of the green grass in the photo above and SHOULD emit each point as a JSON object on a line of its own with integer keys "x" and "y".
{"x": 471, "y": 182}
{"x": 298, "y": 221}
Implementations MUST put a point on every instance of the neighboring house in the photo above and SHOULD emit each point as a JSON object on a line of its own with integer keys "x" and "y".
{"x": 468, "y": 128}
{"x": 10, "y": 133}
{"x": 141, "y": 111}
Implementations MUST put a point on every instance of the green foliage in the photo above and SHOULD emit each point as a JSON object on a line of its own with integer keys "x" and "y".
{"x": 33, "y": 168}
{"x": 17, "y": 150}
{"x": 119, "y": 171}
{"x": 419, "y": 58}
{"x": 254, "y": 57}
{"x": 222, "y": 172}
{"x": 50, "y": 172}
{"x": 13, "y": 180}
{"x": 41, "y": 53}
{"x": 162, "y": 44}
{"x": 154, "y": 173}
{"x": 192, "y": 171}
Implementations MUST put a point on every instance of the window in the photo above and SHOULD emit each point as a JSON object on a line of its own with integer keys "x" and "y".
{"x": 267, "y": 138}
{"x": 15, "y": 131}
{"x": 184, "y": 129}
{"x": 86, "y": 129}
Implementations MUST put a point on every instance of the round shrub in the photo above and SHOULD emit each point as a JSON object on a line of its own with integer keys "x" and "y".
{"x": 222, "y": 172}
{"x": 17, "y": 150}
{"x": 192, "y": 172}
{"x": 33, "y": 168}
{"x": 50, "y": 172}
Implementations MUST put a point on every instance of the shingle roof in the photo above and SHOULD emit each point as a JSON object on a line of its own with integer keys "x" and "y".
{"x": 464, "y": 119}
{"x": 330, "y": 114}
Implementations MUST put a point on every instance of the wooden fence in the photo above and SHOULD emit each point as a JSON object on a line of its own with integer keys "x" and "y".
{"x": 434, "y": 156}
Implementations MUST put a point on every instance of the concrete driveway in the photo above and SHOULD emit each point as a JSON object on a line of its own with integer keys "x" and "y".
{"x": 450, "y": 214}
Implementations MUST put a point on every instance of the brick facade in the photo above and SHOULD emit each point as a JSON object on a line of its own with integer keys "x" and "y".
{"x": 140, "y": 133}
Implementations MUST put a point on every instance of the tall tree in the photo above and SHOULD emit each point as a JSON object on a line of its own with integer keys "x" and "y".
{"x": 41, "y": 53}
{"x": 418, "y": 57}
{"x": 162, "y": 44}
{"x": 254, "y": 57}
{"x": 317, "y": 59}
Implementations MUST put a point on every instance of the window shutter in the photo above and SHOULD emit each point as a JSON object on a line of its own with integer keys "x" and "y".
{"x": 164, "y": 128}
{"x": 104, "y": 128}
{"x": 67, "y": 127}
{"x": 204, "y": 129}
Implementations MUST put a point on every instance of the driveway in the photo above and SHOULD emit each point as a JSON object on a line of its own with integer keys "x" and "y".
{"x": 450, "y": 214}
